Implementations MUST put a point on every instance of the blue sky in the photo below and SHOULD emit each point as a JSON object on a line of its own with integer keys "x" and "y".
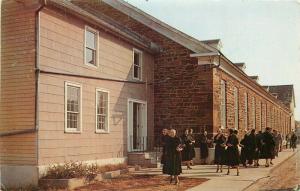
{"x": 263, "y": 34}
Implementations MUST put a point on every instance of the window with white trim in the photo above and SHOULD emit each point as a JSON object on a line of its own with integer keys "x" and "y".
{"x": 137, "y": 64}
{"x": 253, "y": 113}
{"x": 236, "y": 108}
{"x": 246, "y": 111}
{"x": 223, "y": 104}
{"x": 102, "y": 111}
{"x": 72, "y": 107}
{"x": 91, "y": 44}
{"x": 260, "y": 115}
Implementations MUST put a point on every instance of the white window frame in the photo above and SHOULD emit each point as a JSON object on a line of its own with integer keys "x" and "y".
{"x": 223, "y": 116}
{"x": 107, "y": 130}
{"x": 236, "y": 108}
{"x": 88, "y": 28}
{"x": 68, "y": 130}
{"x": 246, "y": 111}
{"x": 141, "y": 64}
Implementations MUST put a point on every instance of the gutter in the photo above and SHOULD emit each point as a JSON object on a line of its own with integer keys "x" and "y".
{"x": 37, "y": 74}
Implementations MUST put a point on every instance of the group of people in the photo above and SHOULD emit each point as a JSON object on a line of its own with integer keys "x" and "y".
{"x": 254, "y": 146}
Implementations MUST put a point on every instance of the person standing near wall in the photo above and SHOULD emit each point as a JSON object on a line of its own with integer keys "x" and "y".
{"x": 192, "y": 139}
{"x": 187, "y": 149}
{"x": 219, "y": 140}
{"x": 294, "y": 140}
{"x": 163, "y": 143}
{"x": 172, "y": 164}
{"x": 203, "y": 142}
{"x": 268, "y": 145}
{"x": 232, "y": 152}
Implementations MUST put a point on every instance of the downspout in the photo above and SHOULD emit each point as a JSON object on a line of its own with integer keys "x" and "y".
{"x": 37, "y": 73}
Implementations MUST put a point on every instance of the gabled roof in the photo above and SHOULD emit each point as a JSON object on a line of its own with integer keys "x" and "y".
{"x": 177, "y": 36}
{"x": 285, "y": 93}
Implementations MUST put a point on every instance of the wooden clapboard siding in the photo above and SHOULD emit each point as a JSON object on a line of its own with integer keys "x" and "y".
{"x": 61, "y": 50}
{"x": 18, "y": 82}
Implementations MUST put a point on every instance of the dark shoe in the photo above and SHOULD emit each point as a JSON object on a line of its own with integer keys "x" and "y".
{"x": 217, "y": 170}
{"x": 267, "y": 165}
{"x": 238, "y": 173}
{"x": 221, "y": 170}
{"x": 271, "y": 163}
{"x": 228, "y": 172}
{"x": 189, "y": 167}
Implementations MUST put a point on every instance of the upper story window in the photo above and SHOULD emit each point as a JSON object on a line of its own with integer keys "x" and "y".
{"x": 137, "y": 64}
{"x": 236, "y": 108}
{"x": 91, "y": 46}
{"x": 72, "y": 107}
{"x": 102, "y": 111}
{"x": 246, "y": 111}
{"x": 223, "y": 104}
{"x": 253, "y": 113}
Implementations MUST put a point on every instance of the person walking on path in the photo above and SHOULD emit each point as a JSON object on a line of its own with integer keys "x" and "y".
{"x": 294, "y": 140}
{"x": 192, "y": 139}
{"x": 172, "y": 165}
{"x": 258, "y": 140}
{"x": 280, "y": 141}
{"x": 187, "y": 153}
{"x": 268, "y": 145}
{"x": 164, "y": 140}
{"x": 203, "y": 142}
{"x": 288, "y": 139}
{"x": 219, "y": 140}
{"x": 251, "y": 147}
{"x": 232, "y": 152}
{"x": 277, "y": 142}
{"x": 244, "y": 150}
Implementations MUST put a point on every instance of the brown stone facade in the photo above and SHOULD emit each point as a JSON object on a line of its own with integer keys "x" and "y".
{"x": 267, "y": 114}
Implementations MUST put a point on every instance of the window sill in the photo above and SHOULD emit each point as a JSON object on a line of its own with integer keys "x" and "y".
{"x": 72, "y": 132}
{"x": 91, "y": 65}
{"x": 101, "y": 132}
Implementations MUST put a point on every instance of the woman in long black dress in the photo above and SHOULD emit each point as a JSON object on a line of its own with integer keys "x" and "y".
{"x": 192, "y": 138}
{"x": 187, "y": 149}
{"x": 203, "y": 147}
{"x": 232, "y": 152}
{"x": 268, "y": 146}
{"x": 172, "y": 164}
{"x": 219, "y": 140}
{"x": 164, "y": 140}
{"x": 294, "y": 140}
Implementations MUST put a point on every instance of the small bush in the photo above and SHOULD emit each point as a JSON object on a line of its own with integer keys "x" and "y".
{"x": 79, "y": 170}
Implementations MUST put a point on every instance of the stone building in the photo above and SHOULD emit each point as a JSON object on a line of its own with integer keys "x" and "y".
{"x": 95, "y": 81}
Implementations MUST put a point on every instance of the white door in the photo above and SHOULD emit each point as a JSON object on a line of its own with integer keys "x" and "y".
{"x": 137, "y": 125}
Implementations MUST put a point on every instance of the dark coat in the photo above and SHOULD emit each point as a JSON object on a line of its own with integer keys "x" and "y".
{"x": 258, "y": 138}
{"x": 232, "y": 152}
{"x": 294, "y": 141}
{"x": 251, "y": 147}
{"x": 244, "y": 143}
{"x": 187, "y": 152}
{"x": 172, "y": 165}
{"x": 220, "y": 149}
{"x": 164, "y": 140}
{"x": 268, "y": 146}
{"x": 203, "y": 143}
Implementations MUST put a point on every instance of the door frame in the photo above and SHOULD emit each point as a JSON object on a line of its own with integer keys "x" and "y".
{"x": 128, "y": 120}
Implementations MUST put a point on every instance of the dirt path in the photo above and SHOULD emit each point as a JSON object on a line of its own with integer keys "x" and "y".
{"x": 284, "y": 177}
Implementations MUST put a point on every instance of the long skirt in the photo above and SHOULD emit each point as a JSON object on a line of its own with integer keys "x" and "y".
{"x": 232, "y": 156}
{"x": 203, "y": 150}
{"x": 219, "y": 155}
{"x": 172, "y": 164}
